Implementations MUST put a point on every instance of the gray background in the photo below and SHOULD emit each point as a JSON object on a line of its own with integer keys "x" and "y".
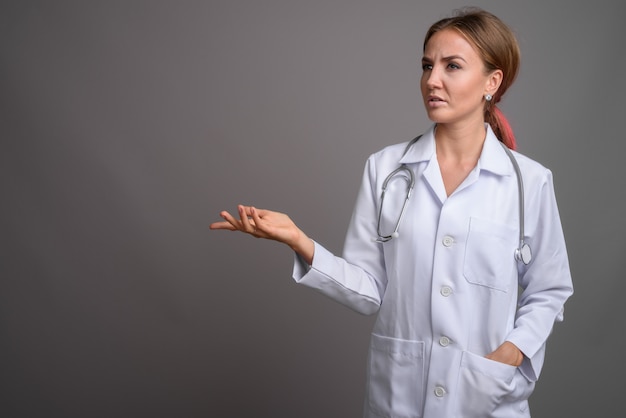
{"x": 126, "y": 126}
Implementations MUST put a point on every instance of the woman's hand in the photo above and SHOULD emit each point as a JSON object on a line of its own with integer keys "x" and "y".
{"x": 507, "y": 353}
{"x": 267, "y": 224}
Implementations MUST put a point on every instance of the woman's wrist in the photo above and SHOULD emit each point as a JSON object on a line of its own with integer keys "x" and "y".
{"x": 303, "y": 246}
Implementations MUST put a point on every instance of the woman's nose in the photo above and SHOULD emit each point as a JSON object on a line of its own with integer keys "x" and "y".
{"x": 433, "y": 79}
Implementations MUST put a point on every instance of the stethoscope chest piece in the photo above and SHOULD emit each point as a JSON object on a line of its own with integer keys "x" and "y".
{"x": 524, "y": 254}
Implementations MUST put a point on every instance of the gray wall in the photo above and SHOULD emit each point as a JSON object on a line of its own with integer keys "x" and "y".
{"x": 127, "y": 126}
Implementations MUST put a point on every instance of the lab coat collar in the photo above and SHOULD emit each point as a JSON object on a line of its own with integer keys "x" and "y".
{"x": 492, "y": 158}
{"x": 421, "y": 150}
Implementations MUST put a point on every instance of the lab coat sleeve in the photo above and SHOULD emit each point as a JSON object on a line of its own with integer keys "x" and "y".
{"x": 357, "y": 279}
{"x": 546, "y": 283}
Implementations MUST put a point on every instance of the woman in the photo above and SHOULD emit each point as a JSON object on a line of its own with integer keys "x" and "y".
{"x": 462, "y": 324}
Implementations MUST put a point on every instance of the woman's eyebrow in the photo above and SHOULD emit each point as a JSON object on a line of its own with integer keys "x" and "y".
{"x": 454, "y": 57}
{"x": 447, "y": 59}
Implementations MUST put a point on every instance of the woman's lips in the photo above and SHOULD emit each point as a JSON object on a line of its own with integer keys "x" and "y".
{"x": 435, "y": 101}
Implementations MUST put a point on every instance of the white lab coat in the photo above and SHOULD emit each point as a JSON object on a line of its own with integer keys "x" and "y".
{"x": 448, "y": 290}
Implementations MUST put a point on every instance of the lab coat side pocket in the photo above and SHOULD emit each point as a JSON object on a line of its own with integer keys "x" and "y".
{"x": 482, "y": 385}
{"x": 396, "y": 375}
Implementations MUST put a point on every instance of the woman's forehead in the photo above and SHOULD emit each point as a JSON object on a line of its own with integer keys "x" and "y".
{"x": 449, "y": 43}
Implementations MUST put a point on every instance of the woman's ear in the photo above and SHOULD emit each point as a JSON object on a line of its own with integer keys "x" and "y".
{"x": 494, "y": 79}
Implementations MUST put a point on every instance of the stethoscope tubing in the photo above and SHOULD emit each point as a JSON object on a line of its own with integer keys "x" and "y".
{"x": 411, "y": 185}
{"x": 522, "y": 254}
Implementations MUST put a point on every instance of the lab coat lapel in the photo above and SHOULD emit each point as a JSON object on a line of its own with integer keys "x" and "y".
{"x": 423, "y": 150}
{"x": 432, "y": 176}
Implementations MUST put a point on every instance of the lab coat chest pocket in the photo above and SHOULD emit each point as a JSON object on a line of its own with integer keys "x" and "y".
{"x": 396, "y": 373}
{"x": 489, "y": 254}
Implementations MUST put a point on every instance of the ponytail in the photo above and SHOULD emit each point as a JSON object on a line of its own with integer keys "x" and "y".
{"x": 500, "y": 126}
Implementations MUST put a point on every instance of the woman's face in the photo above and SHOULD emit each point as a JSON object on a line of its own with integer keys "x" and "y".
{"x": 454, "y": 80}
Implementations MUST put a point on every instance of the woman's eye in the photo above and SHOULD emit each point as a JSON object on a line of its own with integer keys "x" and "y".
{"x": 426, "y": 67}
{"x": 453, "y": 66}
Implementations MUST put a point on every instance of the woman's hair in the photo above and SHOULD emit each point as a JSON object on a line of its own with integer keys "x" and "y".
{"x": 499, "y": 50}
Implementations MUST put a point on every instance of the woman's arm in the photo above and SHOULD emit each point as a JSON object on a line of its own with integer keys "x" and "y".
{"x": 546, "y": 283}
{"x": 333, "y": 276}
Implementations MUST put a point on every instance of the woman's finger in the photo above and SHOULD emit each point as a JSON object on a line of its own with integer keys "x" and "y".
{"x": 245, "y": 221}
{"x": 222, "y": 225}
{"x": 256, "y": 217}
{"x": 231, "y": 220}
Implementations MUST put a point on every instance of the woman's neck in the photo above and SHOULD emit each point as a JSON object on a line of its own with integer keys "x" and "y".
{"x": 458, "y": 151}
{"x": 460, "y": 144}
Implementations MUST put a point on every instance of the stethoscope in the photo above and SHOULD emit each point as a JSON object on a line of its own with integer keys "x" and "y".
{"x": 522, "y": 253}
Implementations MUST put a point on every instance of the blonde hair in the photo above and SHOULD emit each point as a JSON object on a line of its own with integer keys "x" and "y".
{"x": 499, "y": 50}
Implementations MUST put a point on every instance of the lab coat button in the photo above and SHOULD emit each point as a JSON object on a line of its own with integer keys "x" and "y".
{"x": 448, "y": 241}
{"x": 444, "y": 341}
{"x": 439, "y": 391}
{"x": 446, "y": 291}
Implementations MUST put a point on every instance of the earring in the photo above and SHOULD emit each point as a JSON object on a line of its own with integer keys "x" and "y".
{"x": 488, "y": 97}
